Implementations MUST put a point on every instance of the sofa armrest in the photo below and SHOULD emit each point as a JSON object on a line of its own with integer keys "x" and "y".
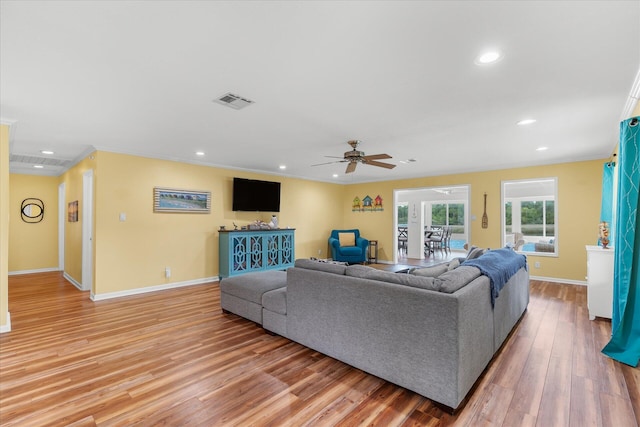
{"x": 361, "y": 242}
{"x": 334, "y": 243}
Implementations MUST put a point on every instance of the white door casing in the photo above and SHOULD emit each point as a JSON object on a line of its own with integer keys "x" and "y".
{"x": 87, "y": 230}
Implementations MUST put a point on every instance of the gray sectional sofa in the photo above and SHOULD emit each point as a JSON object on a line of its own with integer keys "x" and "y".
{"x": 432, "y": 331}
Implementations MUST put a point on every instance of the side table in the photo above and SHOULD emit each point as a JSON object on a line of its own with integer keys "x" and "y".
{"x": 372, "y": 255}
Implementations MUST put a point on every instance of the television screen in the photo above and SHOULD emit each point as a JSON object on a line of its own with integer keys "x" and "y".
{"x": 253, "y": 195}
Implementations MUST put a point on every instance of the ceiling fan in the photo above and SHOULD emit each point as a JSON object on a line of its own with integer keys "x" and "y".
{"x": 355, "y": 156}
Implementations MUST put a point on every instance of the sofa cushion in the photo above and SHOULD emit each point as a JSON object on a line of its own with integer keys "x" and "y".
{"x": 350, "y": 250}
{"x": 347, "y": 239}
{"x": 364, "y": 272}
{"x": 275, "y": 300}
{"x": 327, "y": 267}
{"x": 252, "y": 286}
{"x": 433, "y": 271}
{"x": 458, "y": 278}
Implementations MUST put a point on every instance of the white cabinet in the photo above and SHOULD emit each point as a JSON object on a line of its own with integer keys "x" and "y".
{"x": 599, "y": 281}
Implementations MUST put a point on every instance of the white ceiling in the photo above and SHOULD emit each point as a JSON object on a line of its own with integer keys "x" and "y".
{"x": 140, "y": 77}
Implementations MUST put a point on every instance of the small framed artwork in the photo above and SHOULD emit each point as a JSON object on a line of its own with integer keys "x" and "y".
{"x": 181, "y": 201}
{"x": 72, "y": 211}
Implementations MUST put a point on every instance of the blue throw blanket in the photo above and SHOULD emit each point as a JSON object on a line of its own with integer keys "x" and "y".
{"x": 498, "y": 265}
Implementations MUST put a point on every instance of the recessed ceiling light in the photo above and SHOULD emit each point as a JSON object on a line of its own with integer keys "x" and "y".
{"x": 38, "y": 166}
{"x": 199, "y": 153}
{"x": 47, "y": 152}
{"x": 335, "y": 175}
{"x": 542, "y": 148}
{"x": 489, "y": 57}
{"x": 526, "y": 122}
{"x": 283, "y": 167}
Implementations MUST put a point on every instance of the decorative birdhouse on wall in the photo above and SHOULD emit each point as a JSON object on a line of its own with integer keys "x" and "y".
{"x": 377, "y": 204}
{"x": 356, "y": 206}
{"x": 367, "y": 203}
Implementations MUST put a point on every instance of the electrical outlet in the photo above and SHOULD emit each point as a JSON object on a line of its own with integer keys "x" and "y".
{"x": 537, "y": 264}
{"x": 167, "y": 272}
{"x": 319, "y": 251}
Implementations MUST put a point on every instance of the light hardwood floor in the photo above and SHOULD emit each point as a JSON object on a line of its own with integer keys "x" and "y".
{"x": 172, "y": 358}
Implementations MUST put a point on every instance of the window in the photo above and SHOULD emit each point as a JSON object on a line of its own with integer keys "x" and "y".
{"x": 403, "y": 214}
{"x": 529, "y": 215}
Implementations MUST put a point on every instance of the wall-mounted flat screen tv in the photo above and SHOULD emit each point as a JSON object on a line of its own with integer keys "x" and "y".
{"x": 253, "y": 195}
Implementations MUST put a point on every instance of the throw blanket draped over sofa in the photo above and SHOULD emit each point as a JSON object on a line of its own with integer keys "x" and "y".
{"x": 432, "y": 335}
{"x": 498, "y": 265}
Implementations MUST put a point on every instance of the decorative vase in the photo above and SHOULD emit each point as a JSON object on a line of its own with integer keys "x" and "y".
{"x": 274, "y": 222}
{"x": 603, "y": 234}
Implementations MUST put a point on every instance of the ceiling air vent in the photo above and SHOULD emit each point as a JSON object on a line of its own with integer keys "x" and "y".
{"x": 33, "y": 160}
{"x": 233, "y": 101}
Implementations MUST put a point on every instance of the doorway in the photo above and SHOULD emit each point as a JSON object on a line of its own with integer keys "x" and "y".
{"x": 430, "y": 207}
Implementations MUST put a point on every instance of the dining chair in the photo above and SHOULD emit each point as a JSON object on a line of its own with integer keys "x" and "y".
{"x": 437, "y": 238}
{"x": 403, "y": 238}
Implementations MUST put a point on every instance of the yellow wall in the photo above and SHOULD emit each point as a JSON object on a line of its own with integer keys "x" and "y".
{"x": 4, "y": 226}
{"x": 134, "y": 253}
{"x": 579, "y": 188}
{"x": 33, "y": 246}
{"x": 73, "y": 230}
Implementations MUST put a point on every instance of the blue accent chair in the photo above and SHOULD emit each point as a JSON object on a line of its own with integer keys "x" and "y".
{"x": 351, "y": 254}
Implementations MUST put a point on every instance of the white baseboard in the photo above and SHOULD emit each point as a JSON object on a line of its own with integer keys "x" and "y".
{"x": 561, "y": 281}
{"x": 73, "y": 281}
{"x": 37, "y": 270}
{"x": 128, "y": 292}
{"x": 7, "y": 327}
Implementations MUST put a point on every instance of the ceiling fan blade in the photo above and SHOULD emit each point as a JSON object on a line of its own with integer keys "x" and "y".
{"x": 380, "y": 164}
{"x": 329, "y": 163}
{"x": 335, "y": 157}
{"x": 351, "y": 167}
{"x": 377, "y": 157}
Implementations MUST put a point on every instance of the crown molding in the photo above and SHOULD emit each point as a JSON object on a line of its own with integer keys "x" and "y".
{"x": 632, "y": 100}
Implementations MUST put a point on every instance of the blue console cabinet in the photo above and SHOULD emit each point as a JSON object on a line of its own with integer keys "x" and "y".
{"x": 246, "y": 251}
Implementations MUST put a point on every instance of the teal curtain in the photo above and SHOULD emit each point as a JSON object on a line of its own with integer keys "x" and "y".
{"x": 606, "y": 207}
{"x": 625, "y": 323}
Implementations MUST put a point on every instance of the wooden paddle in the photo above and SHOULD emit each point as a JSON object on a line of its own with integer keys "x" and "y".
{"x": 485, "y": 218}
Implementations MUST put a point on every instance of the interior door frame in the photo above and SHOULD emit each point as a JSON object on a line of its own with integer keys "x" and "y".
{"x": 87, "y": 230}
{"x": 62, "y": 194}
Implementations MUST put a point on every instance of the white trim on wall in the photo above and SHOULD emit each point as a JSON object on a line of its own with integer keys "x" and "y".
{"x": 73, "y": 281}
{"x": 37, "y": 270}
{"x": 137, "y": 291}
{"x": 7, "y": 327}
{"x": 559, "y": 281}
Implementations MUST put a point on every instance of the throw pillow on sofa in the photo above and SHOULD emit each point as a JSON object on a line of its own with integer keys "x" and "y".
{"x": 453, "y": 280}
{"x": 320, "y": 266}
{"x": 454, "y": 264}
{"x": 364, "y": 272}
{"x": 433, "y": 271}
{"x": 475, "y": 252}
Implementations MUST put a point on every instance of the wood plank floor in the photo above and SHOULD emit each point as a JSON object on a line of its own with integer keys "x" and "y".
{"x": 172, "y": 358}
